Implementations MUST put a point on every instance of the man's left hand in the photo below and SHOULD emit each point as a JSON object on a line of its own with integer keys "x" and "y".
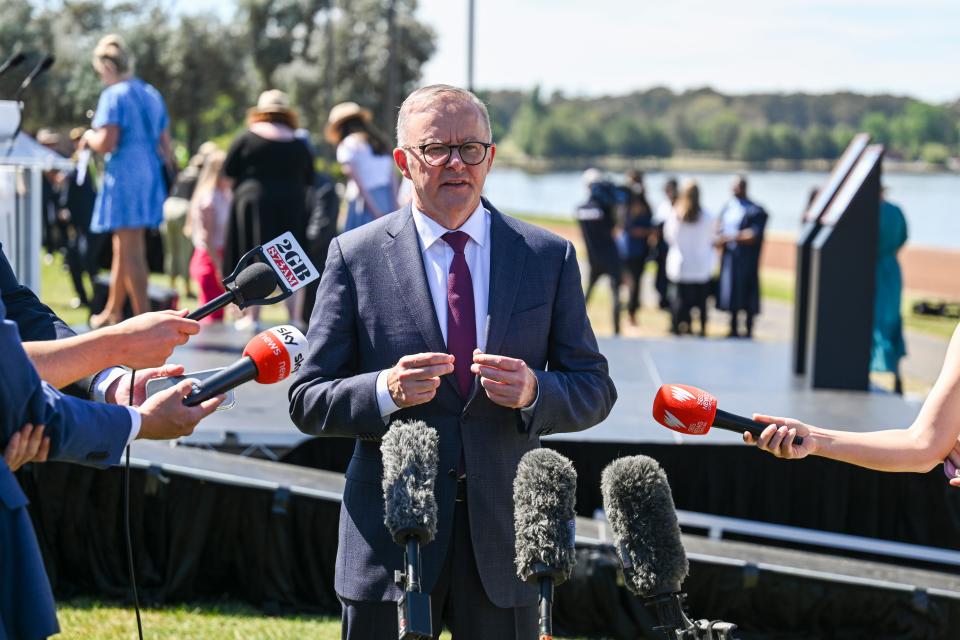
{"x": 27, "y": 445}
{"x": 119, "y": 390}
{"x": 508, "y": 382}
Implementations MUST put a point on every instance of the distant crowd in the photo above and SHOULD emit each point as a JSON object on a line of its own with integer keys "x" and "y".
{"x": 697, "y": 254}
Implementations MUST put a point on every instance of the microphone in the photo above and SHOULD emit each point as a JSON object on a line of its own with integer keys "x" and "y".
{"x": 410, "y": 458}
{"x": 255, "y": 281}
{"x": 639, "y": 507}
{"x": 544, "y": 494}
{"x": 11, "y": 62}
{"x": 693, "y": 411}
{"x": 44, "y": 64}
{"x": 269, "y": 357}
{"x": 285, "y": 266}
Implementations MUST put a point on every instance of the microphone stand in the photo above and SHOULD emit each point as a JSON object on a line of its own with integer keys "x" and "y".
{"x": 414, "y": 615}
{"x": 675, "y": 624}
{"x": 545, "y": 578}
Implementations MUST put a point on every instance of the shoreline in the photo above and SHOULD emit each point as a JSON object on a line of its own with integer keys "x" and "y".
{"x": 697, "y": 163}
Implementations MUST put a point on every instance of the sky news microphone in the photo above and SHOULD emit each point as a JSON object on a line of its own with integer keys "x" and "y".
{"x": 43, "y": 65}
{"x": 693, "y": 411}
{"x": 544, "y": 495}
{"x": 410, "y": 459}
{"x": 269, "y": 357}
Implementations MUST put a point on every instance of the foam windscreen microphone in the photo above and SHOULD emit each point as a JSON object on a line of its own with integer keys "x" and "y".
{"x": 693, "y": 411}
{"x": 639, "y": 507}
{"x": 410, "y": 458}
{"x": 410, "y": 461}
{"x": 544, "y": 496}
{"x": 269, "y": 357}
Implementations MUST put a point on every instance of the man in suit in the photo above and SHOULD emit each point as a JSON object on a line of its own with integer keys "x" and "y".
{"x": 449, "y": 312}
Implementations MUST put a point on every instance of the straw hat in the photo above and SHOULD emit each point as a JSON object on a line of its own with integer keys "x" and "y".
{"x": 273, "y": 101}
{"x": 340, "y": 114}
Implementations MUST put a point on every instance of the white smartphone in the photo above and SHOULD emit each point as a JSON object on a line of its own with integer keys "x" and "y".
{"x": 155, "y": 385}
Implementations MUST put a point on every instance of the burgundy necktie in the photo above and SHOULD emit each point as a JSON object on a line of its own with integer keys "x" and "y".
{"x": 461, "y": 317}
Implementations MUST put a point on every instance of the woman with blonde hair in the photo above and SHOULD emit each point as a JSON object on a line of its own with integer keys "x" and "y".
{"x": 271, "y": 170}
{"x": 689, "y": 230}
{"x": 208, "y": 214}
{"x": 130, "y": 128}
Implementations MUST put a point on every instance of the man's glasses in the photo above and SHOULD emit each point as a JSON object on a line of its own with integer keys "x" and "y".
{"x": 437, "y": 155}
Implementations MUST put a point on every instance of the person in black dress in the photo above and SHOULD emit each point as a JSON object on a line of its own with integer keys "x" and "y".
{"x": 271, "y": 169}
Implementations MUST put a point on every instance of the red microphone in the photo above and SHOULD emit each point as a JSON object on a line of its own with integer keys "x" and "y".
{"x": 269, "y": 357}
{"x": 693, "y": 411}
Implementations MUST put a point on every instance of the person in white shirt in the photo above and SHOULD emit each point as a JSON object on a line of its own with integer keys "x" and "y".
{"x": 366, "y": 160}
{"x": 689, "y": 230}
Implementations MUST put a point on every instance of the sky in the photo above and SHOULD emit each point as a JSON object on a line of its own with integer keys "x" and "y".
{"x": 603, "y": 47}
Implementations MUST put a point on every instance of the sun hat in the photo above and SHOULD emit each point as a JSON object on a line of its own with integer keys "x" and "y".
{"x": 340, "y": 114}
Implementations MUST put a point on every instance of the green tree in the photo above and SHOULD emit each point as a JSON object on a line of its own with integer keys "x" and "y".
{"x": 788, "y": 142}
{"x": 819, "y": 144}
{"x": 878, "y": 126}
{"x": 526, "y": 128}
{"x": 756, "y": 145}
{"x": 721, "y": 132}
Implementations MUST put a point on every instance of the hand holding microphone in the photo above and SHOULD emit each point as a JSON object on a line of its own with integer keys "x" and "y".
{"x": 269, "y": 357}
{"x": 783, "y": 437}
{"x": 693, "y": 411}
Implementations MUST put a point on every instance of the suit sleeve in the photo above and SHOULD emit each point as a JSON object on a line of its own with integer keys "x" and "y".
{"x": 576, "y": 391}
{"x": 331, "y": 397}
{"x": 79, "y": 431}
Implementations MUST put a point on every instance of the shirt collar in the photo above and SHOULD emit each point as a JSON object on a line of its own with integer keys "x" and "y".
{"x": 430, "y": 230}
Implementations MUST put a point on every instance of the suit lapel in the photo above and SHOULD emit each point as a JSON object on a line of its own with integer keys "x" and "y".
{"x": 402, "y": 253}
{"x": 507, "y": 257}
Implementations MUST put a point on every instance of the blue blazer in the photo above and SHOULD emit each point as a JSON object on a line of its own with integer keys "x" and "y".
{"x": 373, "y": 307}
{"x": 79, "y": 431}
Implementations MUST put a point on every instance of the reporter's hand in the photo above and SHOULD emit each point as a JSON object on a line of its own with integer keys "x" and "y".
{"x": 119, "y": 390}
{"x": 147, "y": 340}
{"x": 164, "y": 416}
{"x": 953, "y": 458}
{"x": 508, "y": 382}
{"x": 778, "y": 438}
{"x": 26, "y": 445}
{"x": 415, "y": 378}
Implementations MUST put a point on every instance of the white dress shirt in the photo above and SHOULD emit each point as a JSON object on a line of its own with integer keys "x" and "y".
{"x": 437, "y": 256}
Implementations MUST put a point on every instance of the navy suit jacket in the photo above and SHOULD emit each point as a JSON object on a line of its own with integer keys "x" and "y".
{"x": 79, "y": 431}
{"x": 373, "y": 307}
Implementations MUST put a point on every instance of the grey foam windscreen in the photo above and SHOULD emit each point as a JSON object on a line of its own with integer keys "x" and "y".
{"x": 410, "y": 459}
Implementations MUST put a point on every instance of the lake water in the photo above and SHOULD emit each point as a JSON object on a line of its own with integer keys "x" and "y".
{"x": 931, "y": 202}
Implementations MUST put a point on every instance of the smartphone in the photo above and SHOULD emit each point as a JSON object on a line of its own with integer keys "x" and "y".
{"x": 156, "y": 385}
{"x": 950, "y": 470}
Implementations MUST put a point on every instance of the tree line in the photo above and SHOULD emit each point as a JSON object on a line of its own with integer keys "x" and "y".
{"x": 210, "y": 68}
{"x": 754, "y": 128}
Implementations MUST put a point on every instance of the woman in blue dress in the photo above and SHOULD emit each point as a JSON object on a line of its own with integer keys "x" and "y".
{"x": 130, "y": 129}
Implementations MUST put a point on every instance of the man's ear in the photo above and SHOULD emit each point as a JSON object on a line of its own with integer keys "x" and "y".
{"x": 400, "y": 159}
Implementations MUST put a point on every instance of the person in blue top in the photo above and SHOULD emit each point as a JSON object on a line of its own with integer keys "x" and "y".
{"x": 741, "y": 223}
{"x": 638, "y": 230}
{"x": 888, "y": 345}
{"x": 131, "y": 128}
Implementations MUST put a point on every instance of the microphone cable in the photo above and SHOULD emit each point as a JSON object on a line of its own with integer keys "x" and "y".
{"x": 126, "y": 521}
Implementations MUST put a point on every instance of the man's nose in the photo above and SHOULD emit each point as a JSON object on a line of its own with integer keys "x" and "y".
{"x": 455, "y": 161}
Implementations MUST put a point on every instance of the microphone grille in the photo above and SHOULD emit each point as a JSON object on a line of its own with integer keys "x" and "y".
{"x": 544, "y": 496}
{"x": 410, "y": 458}
{"x": 257, "y": 280}
{"x": 639, "y": 507}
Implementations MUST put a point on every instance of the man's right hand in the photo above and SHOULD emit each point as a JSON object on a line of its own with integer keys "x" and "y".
{"x": 147, "y": 340}
{"x": 415, "y": 378}
{"x": 164, "y": 416}
{"x": 27, "y": 445}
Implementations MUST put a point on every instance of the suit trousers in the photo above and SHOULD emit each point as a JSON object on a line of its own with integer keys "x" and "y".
{"x": 458, "y": 601}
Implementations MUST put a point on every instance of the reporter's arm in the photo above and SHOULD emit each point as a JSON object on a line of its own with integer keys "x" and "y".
{"x": 919, "y": 448}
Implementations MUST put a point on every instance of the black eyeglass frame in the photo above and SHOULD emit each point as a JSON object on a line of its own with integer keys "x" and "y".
{"x": 450, "y": 148}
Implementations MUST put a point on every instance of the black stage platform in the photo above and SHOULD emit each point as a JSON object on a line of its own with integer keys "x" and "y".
{"x": 745, "y": 376}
